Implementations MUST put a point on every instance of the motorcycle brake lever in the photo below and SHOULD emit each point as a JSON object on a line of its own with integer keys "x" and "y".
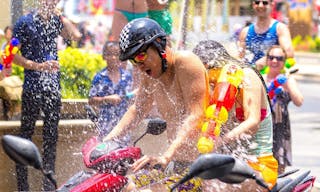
{"x": 158, "y": 167}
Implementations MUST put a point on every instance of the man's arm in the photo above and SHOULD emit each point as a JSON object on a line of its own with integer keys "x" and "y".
{"x": 260, "y": 63}
{"x": 112, "y": 99}
{"x": 48, "y": 66}
{"x": 252, "y": 96}
{"x": 69, "y": 31}
{"x": 242, "y": 42}
{"x": 193, "y": 83}
{"x": 285, "y": 39}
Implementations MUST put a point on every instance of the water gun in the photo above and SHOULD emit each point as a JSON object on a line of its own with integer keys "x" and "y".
{"x": 275, "y": 87}
{"x": 287, "y": 65}
{"x": 128, "y": 95}
{"x": 8, "y": 54}
{"x": 223, "y": 98}
{"x": 265, "y": 70}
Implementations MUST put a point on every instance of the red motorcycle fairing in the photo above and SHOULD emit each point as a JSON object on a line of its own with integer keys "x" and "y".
{"x": 102, "y": 182}
{"x": 107, "y": 156}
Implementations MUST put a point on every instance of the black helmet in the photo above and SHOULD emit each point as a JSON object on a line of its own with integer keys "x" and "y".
{"x": 138, "y": 35}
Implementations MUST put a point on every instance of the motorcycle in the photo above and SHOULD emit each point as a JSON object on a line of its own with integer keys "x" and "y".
{"x": 108, "y": 161}
{"x": 113, "y": 166}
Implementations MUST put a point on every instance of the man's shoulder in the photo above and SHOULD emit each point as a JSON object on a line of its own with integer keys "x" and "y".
{"x": 186, "y": 58}
{"x": 250, "y": 73}
{"x": 243, "y": 32}
{"x": 184, "y": 55}
{"x": 281, "y": 26}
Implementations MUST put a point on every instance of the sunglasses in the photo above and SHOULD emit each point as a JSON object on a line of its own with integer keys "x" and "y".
{"x": 278, "y": 58}
{"x": 263, "y": 2}
{"x": 139, "y": 58}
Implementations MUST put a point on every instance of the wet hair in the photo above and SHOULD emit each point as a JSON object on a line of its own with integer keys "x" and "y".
{"x": 277, "y": 47}
{"x": 214, "y": 54}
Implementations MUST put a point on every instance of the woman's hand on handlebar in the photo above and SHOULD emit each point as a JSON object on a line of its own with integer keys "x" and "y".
{"x": 150, "y": 161}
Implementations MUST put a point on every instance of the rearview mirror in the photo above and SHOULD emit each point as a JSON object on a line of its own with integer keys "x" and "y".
{"x": 25, "y": 152}
{"x": 22, "y": 151}
{"x": 155, "y": 126}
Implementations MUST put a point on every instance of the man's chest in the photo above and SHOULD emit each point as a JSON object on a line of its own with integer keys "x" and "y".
{"x": 169, "y": 100}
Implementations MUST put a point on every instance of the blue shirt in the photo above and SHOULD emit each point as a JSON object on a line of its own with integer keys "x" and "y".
{"x": 258, "y": 44}
{"x": 38, "y": 43}
{"x": 101, "y": 86}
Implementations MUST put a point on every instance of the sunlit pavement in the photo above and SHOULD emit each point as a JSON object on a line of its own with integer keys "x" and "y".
{"x": 308, "y": 65}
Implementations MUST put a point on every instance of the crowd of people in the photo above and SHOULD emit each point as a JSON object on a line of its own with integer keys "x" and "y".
{"x": 144, "y": 72}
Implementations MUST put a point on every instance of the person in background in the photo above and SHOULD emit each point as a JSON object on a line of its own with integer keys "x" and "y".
{"x": 175, "y": 81}
{"x": 111, "y": 90}
{"x": 87, "y": 39}
{"x": 37, "y": 32}
{"x": 289, "y": 91}
{"x": 100, "y": 36}
{"x": 125, "y": 11}
{"x": 7, "y": 38}
{"x": 7, "y": 35}
{"x": 247, "y": 134}
{"x": 259, "y": 36}
{"x": 157, "y": 10}
{"x": 5, "y": 72}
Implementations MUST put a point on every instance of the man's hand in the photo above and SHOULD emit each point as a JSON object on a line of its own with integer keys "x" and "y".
{"x": 260, "y": 63}
{"x": 113, "y": 99}
{"x": 152, "y": 161}
{"x": 50, "y": 66}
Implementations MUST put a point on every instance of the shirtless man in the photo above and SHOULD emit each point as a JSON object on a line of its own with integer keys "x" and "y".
{"x": 176, "y": 82}
{"x": 125, "y": 11}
